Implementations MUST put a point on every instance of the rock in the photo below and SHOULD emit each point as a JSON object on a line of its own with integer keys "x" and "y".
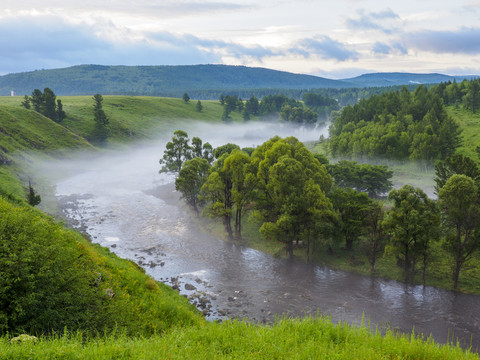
{"x": 190, "y": 287}
{"x": 110, "y": 293}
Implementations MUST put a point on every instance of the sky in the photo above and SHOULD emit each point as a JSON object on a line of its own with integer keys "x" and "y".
{"x": 334, "y": 39}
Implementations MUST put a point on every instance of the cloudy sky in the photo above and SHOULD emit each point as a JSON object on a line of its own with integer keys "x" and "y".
{"x": 334, "y": 39}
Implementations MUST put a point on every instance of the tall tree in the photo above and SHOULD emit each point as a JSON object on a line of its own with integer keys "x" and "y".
{"x": 100, "y": 132}
{"x": 455, "y": 164}
{"x": 190, "y": 180}
{"x": 61, "y": 115}
{"x": 186, "y": 98}
{"x": 411, "y": 224}
{"x": 33, "y": 198}
{"x": 350, "y": 206}
{"x": 199, "y": 106}
{"x": 48, "y": 107}
{"x": 461, "y": 214}
{"x": 177, "y": 151}
{"x": 375, "y": 236}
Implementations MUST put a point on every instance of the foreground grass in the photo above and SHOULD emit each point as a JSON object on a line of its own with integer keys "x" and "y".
{"x": 305, "y": 338}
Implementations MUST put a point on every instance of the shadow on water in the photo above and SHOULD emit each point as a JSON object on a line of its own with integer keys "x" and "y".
{"x": 122, "y": 203}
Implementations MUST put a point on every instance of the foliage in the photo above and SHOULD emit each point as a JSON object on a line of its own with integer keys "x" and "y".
{"x": 190, "y": 180}
{"x": 100, "y": 133}
{"x": 373, "y": 179}
{"x": 397, "y": 125}
{"x": 199, "y": 106}
{"x": 413, "y": 223}
{"x": 186, "y": 98}
{"x": 455, "y": 164}
{"x": 351, "y": 207}
{"x": 33, "y": 198}
{"x": 461, "y": 215}
{"x": 45, "y": 104}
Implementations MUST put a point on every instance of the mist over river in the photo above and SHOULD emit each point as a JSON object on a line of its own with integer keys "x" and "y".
{"x": 122, "y": 202}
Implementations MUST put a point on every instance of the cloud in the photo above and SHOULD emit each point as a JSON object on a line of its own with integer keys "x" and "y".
{"x": 462, "y": 41}
{"x": 324, "y": 47}
{"x": 381, "y": 48}
{"x": 373, "y": 21}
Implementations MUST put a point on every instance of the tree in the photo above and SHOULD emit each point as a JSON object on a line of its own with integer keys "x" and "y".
{"x": 243, "y": 184}
{"x": 37, "y": 100}
{"x": 373, "y": 179}
{"x": 375, "y": 236}
{"x": 199, "y": 106}
{"x": 100, "y": 132}
{"x": 48, "y": 107}
{"x": 351, "y": 206}
{"x": 461, "y": 215}
{"x": 217, "y": 190}
{"x": 412, "y": 223}
{"x": 186, "y": 98}
{"x": 33, "y": 198}
{"x": 190, "y": 180}
{"x": 61, "y": 115}
{"x": 455, "y": 164}
{"x": 177, "y": 151}
{"x": 26, "y": 102}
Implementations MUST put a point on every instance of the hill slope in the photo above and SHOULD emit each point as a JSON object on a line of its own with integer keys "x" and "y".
{"x": 393, "y": 79}
{"x": 157, "y": 80}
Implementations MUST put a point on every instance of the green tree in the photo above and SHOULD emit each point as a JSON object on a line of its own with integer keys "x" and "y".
{"x": 375, "y": 237}
{"x": 351, "y": 206}
{"x": 186, "y": 98}
{"x": 455, "y": 164}
{"x": 373, "y": 179}
{"x": 199, "y": 106}
{"x": 190, "y": 180}
{"x": 61, "y": 115}
{"x": 49, "y": 106}
{"x": 100, "y": 132}
{"x": 37, "y": 100}
{"x": 33, "y": 198}
{"x": 412, "y": 223}
{"x": 243, "y": 184}
{"x": 176, "y": 153}
{"x": 26, "y": 102}
{"x": 461, "y": 215}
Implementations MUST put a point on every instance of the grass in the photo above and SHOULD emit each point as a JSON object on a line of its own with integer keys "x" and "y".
{"x": 307, "y": 338}
{"x": 470, "y": 125}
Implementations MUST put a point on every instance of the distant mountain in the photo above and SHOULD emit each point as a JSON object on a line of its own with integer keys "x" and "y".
{"x": 157, "y": 80}
{"x": 393, "y": 79}
{"x": 206, "y": 81}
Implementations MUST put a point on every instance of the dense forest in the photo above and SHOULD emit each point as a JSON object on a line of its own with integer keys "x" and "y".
{"x": 396, "y": 125}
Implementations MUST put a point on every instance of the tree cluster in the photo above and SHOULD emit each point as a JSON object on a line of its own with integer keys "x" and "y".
{"x": 100, "y": 132}
{"x": 301, "y": 200}
{"x": 396, "y": 125}
{"x": 45, "y": 103}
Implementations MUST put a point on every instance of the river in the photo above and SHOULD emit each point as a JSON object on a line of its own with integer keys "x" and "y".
{"x": 122, "y": 202}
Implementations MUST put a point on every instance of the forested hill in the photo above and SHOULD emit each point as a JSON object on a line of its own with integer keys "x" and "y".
{"x": 157, "y": 80}
{"x": 395, "y": 79}
{"x": 201, "y": 81}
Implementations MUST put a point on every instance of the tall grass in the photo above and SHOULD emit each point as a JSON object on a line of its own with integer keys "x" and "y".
{"x": 307, "y": 338}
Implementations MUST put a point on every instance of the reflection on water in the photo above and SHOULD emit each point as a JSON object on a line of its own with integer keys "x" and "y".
{"x": 124, "y": 204}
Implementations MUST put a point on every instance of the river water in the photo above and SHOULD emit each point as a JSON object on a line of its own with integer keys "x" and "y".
{"x": 122, "y": 203}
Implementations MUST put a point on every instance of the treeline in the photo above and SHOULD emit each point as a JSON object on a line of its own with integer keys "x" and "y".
{"x": 396, "y": 125}
{"x": 466, "y": 93}
{"x": 280, "y": 107}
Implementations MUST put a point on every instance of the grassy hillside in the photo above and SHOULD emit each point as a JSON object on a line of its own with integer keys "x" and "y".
{"x": 52, "y": 278}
